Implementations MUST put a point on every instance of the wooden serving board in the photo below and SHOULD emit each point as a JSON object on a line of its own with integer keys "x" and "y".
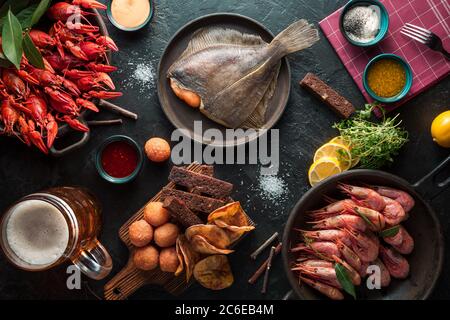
{"x": 130, "y": 279}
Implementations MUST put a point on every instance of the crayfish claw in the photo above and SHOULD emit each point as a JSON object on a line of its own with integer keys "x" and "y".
{"x": 107, "y": 42}
{"x": 36, "y": 137}
{"x": 104, "y": 94}
{"x": 101, "y": 67}
{"x": 87, "y": 104}
{"x": 52, "y": 130}
{"x": 75, "y": 124}
{"x": 89, "y": 4}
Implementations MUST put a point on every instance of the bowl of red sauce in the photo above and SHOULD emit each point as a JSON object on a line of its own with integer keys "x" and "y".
{"x": 119, "y": 159}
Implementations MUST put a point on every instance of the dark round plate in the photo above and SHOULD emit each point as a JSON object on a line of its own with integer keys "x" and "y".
{"x": 180, "y": 114}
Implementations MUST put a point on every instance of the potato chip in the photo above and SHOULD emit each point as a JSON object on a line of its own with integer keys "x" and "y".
{"x": 190, "y": 257}
{"x": 214, "y": 272}
{"x": 212, "y": 233}
{"x": 180, "y": 258}
{"x": 232, "y": 218}
{"x": 231, "y": 214}
{"x": 201, "y": 245}
{"x": 234, "y": 233}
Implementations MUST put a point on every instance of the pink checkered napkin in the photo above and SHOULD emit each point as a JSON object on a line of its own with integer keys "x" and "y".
{"x": 428, "y": 66}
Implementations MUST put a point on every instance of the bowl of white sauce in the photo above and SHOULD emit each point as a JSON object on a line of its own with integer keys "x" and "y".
{"x": 364, "y": 23}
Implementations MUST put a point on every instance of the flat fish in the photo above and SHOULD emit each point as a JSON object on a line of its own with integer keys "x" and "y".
{"x": 231, "y": 76}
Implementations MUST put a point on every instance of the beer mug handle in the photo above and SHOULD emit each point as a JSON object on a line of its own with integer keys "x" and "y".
{"x": 95, "y": 262}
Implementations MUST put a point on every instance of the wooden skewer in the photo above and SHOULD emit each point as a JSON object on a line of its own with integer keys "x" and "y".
{"x": 263, "y": 267}
{"x": 116, "y": 109}
{"x": 267, "y": 272}
{"x": 103, "y": 122}
{"x": 266, "y": 243}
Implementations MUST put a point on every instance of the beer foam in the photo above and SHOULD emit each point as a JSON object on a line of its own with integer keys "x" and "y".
{"x": 37, "y": 232}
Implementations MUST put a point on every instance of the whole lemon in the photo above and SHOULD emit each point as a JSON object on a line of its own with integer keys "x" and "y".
{"x": 440, "y": 129}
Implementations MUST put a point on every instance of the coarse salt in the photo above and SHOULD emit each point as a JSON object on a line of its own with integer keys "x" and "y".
{"x": 273, "y": 188}
{"x": 362, "y": 23}
{"x": 144, "y": 73}
{"x": 141, "y": 77}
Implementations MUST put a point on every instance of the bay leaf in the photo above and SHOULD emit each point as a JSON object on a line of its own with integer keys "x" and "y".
{"x": 345, "y": 280}
{"x": 12, "y": 39}
{"x": 32, "y": 53}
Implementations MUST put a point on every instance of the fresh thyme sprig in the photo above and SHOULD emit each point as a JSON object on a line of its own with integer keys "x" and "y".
{"x": 373, "y": 143}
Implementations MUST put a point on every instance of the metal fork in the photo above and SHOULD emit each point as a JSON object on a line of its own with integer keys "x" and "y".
{"x": 424, "y": 36}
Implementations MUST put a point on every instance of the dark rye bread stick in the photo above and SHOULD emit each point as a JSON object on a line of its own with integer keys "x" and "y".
{"x": 326, "y": 94}
{"x": 205, "y": 184}
{"x": 180, "y": 212}
{"x": 194, "y": 202}
{"x": 206, "y": 170}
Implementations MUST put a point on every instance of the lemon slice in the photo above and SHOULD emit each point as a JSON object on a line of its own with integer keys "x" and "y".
{"x": 322, "y": 169}
{"x": 340, "y": 140}
{"x": 335, "y": 150}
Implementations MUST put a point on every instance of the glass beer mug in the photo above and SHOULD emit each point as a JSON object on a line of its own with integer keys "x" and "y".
{"x": 44, "y": 229}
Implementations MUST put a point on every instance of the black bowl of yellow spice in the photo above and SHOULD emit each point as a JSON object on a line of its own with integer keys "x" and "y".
{"x": 387, "y": 78}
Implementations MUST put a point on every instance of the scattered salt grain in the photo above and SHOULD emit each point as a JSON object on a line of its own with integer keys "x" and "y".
{"x": 140, "y": 75}
{"x": 144, "y": 74}
{"x": 272, "y": 187}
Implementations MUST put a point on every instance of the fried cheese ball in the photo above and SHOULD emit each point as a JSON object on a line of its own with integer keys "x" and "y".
{"x": 166, "y": 235}
{"x": 146, "y": 258}
{"x": 157, "y": 149}
{"x": 140, "y": 233}
{"x": 168, "y": 260}
{"x": 155, "y": 214}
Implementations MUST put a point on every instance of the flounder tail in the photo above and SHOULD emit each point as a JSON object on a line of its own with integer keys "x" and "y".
{"x": 298, "y": 36}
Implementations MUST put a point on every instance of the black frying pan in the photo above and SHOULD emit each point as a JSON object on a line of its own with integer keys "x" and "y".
{"x": 425, "y": 261}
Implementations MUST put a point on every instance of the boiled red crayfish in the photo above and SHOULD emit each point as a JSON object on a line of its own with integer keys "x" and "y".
{"x": 34, "y": 101}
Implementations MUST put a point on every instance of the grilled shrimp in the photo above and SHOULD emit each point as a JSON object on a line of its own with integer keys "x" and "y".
{"x": 327, "y": 235}
{"x": 363, "y": 270}
{"x": 312, "y": 263}
{"x": 318, "y": 248}
{"x": 393, "y": 212}
{"x": 354, "y": 275}
{"x": 326, "y": 275}
{"x": 349, "y": 255}
{"x": 363, "y": 245}
{"x": 405, "y": 200}
{"x": 341, "y": 221}
{"x": 332, "y": 209}
{"x": 384, "y": 272}
{"x": 368, "y": 197}
{"x": 396, "y": 239}
{"x": 372, "y": 236}
{"x": 329, "y": 291}
{"x": 397, "y": 265}
{"x": 377, "y": 220}
{"x": 402, "y": 241}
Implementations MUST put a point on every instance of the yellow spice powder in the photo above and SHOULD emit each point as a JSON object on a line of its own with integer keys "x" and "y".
{"x": 386, "y": 78}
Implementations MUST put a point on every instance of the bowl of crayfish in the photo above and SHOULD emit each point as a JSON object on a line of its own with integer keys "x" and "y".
{"x": 39, "y": 105}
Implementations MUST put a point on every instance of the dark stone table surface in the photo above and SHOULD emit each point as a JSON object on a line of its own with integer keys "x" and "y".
{"x": 305, "y": 125}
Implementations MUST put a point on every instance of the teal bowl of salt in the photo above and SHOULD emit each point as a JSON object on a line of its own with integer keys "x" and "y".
{"x": 364, "y": 23}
